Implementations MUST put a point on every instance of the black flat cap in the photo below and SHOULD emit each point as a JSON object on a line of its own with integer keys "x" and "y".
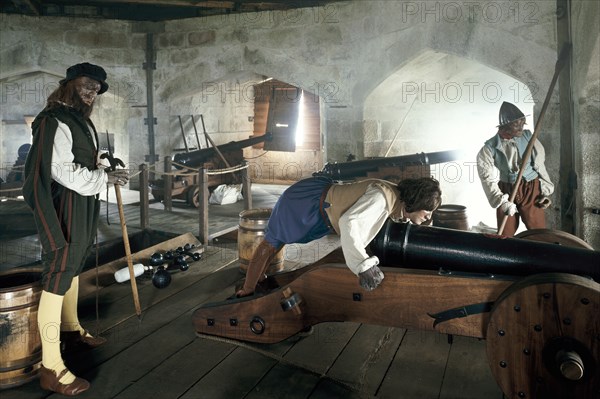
{"x": 91, "y": 71}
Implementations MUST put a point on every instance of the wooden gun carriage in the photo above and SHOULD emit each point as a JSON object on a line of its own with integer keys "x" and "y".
{"x": 185, "y": 186}
{"x": 535, "y": 303}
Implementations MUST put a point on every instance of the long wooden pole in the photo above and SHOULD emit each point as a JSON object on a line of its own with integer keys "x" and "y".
{"x": 400, "y": 128}
{"x": 560, "y": 63}
{"x": 183, "y": 134}
{"x": 213, "y": 144}
{"x": 196, "y": 130}
{"x": 136, "y": 297}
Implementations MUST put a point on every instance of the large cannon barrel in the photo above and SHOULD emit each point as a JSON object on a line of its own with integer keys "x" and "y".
{"x": 352, "y": 169}
{"x": 196, "y": 158}
{"x": 432, "y": 248}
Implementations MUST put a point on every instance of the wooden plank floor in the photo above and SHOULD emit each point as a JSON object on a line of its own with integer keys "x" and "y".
{"x": 159, "y": 355}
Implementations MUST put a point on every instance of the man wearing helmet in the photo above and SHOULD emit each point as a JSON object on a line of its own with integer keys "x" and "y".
{"x": 16, "y": 174}
{"x": 498, "y": 164}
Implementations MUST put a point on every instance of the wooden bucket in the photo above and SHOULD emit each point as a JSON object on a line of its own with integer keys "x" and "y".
{"x": 20, "y": 344}
{"x": 452, "y": 217}
{"x": 251, "y": 232}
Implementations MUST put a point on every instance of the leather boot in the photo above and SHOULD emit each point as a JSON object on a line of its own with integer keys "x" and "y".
{"x": 261, "y": 258}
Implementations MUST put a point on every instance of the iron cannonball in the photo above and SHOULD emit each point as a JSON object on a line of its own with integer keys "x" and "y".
{"x": 161, "y": 278}
{"x": 156, "y": 259}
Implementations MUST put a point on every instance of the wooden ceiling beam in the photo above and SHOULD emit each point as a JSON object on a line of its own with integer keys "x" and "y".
{"x": 162, "y": 3}
{"x": 27, "y": 6}
{"x": 216, "y": 4}
{"x": 157, "y": 10}
{"x": 271, "y": 4}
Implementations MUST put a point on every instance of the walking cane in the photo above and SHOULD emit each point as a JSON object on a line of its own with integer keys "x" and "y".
{"x": 560, "y": 63}
{"x": 114, "y": 162}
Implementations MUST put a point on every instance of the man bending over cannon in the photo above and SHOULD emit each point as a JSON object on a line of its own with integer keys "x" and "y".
{"x": 315, "y": 207}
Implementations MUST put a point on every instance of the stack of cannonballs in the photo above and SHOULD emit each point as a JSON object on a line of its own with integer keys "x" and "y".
{"x": 177, "y": 259}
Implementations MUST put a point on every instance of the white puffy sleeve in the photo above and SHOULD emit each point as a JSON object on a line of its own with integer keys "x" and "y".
{"x": 489, "y": 176}
{"x": 72, "y": 175}
{"x": 359, "y": 225}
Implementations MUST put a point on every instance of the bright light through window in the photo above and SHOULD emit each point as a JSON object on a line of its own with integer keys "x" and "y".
{"x": 300, "y": 127}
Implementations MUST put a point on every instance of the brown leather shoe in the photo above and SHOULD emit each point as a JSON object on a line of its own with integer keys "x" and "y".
{"x": 91, "y": 341}
{"x": 71, "y": 339}
{"x": 50, "y": 382}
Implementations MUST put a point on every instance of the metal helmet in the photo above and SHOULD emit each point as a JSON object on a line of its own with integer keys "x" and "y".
{"x": 509, "y": 113}
{"x": 23, "y": 151}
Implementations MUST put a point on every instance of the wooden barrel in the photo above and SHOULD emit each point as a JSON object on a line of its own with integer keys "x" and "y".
{"x": 452, "y": 217}
{"x": 251, "y": 232}
{"x": 20, "y": 344}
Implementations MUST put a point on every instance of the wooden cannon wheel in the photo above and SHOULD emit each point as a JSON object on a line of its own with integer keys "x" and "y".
{"x": 554, "y": 236}
{"x": 193, "y": 196}
{"x": 543, "y": 338}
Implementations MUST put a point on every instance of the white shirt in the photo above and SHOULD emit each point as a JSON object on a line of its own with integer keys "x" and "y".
{"x": 359, "y": 225}
{"x": 490, "y": 176}
{"x": 72, "y": 175}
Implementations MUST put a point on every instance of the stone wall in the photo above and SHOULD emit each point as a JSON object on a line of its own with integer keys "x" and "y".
{"x": 34, "y": 55}
{"x": 586, "y": 105}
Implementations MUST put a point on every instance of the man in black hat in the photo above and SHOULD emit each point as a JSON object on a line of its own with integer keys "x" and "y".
{"x": 63, "y": 178}
{"x": 498, "y": 164}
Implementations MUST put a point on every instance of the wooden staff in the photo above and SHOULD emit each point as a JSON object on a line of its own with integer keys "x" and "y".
{"x": 560, "y": 63}
{"x": 136, "y": 297}
{"x": 114, "y": 162}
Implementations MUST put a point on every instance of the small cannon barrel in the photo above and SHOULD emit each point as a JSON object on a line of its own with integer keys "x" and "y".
{"x": 432, "y": 248}
{"x": 352, "y": 169}
{"x": 196, "y": 158}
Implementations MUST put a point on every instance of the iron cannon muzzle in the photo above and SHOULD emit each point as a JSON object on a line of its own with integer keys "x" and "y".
{"x": 433, "y": 248}
{"x": 347, "y": 170}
